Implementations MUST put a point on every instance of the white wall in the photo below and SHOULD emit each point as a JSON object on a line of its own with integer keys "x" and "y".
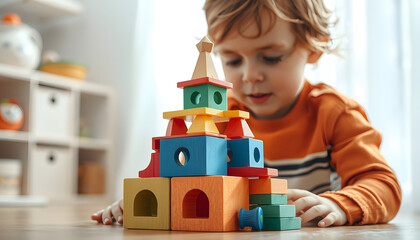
{"x": 102, "y": 37}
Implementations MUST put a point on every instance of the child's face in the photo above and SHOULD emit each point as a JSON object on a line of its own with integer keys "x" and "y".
{"x": 266, "y": 72}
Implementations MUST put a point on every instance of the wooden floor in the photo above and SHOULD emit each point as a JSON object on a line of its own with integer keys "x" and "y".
{"x": 72, "y": 221}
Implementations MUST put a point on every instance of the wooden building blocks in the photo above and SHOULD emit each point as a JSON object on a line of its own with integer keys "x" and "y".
{"x": 175, "y": 127}
{"x": 245, "y": 152}
{"x": 268, "y": 199}
{"x": 210, "y": 203}
{"x": 186, "y": 187}
{"x": 252, "y": 172}
{"x": 268, "y": 186}
{"x": 204, "y": 66}
{"x": 203, "y": 124}
{"x": 204, "y": 155}
{"x": 205, "y": 95}
{"x": 251, "y": 218}
{"x": 238, "y": 128}
{"x": 147, "y": 203}
{"x": 153, "y": 169}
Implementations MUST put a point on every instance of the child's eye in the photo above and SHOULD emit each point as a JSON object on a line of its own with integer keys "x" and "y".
{"x": 272, "y": 60}
{"x": 233, "y": 62}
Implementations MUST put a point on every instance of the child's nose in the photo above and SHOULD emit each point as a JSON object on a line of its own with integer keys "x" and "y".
{"x": 252, "y": 74}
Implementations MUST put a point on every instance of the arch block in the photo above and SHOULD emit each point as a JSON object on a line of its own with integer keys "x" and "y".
{"x": 204, "y": 156}
{"x": 208, "y": 203}
{"x": 205, "y": 95}
{"x": 245, "y": 152}
{"x": 147, "y": 203}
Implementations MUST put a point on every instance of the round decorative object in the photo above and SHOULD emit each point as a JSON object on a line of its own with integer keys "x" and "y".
{"x": 11, "y": 115}
{"x": 20, "y": 45}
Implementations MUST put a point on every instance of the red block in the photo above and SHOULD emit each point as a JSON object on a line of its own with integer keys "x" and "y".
{"x": 176, "y": 126}
{"x": 204, "y": 80}
{"x": 238, "y": 128}
{"x": 252, "y": 172}
{"x": 153, "y": 169}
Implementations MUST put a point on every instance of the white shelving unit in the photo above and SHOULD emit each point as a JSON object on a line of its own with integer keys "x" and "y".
{"x": 38, "y": 12}
{"x": 48, "y": 144}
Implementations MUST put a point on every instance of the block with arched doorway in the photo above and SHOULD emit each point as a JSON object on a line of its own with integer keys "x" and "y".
{"x": 208, "y": 203}
{"x": 147, "y": 203}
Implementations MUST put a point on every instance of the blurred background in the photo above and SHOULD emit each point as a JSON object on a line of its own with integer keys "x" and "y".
{"x": 85, "y": 117}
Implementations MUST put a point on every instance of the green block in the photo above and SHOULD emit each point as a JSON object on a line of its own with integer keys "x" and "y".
{"x": 277, "y": 211}
{"x": 271, "y": 199}
{"x": 281, "y": 224}
{"x": 205, "y": 95}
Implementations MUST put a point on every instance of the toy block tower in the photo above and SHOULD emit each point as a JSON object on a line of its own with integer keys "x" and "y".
{"x": 271, "y": 196}
{"x": 197, "y": 179}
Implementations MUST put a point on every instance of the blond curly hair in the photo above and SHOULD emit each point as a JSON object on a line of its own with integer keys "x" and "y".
{"x": 310, "y": 19}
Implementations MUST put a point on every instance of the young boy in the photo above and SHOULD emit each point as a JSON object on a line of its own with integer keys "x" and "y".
{"x": 318, "y": 139}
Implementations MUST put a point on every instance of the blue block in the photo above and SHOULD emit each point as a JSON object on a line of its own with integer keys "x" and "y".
{"x": 204, "y": 156}
{"x": 245, "y": 152}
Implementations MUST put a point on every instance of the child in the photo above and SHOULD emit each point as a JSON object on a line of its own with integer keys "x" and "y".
{"x": 318, "y": 139}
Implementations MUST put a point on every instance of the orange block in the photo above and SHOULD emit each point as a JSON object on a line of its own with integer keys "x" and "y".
{"x": 208, "y": 203}
{"x": 267, "y": 186}
{"x": 176, "y": 126}
{"x": 238, "y": 128}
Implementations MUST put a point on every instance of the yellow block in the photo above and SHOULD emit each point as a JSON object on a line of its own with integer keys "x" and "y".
{"x": 203, "y": 124}
{"x": 236, "y": 114}
{"x": 188, "y": 114}
{"x": 147, "y": 203}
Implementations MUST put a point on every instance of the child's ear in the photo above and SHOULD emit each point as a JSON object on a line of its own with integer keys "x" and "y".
{"x": 314, "y": 56}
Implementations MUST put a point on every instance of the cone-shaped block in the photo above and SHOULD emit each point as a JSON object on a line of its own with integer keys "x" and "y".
{"x": 204, "y": 66}
{"x": 238, "y": 128}
{"x": 203, "y": 123}
{"x": 176, "y": 126}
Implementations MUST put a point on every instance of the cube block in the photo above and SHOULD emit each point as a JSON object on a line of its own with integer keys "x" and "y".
{"x": 147, "y": 203}
{"x": 268, "y": 186}
{"x": 205, "y": 95}
{"x": 245, "y": 152}
{"x": 193, "y": 156}
{"x": 209, "y": 203}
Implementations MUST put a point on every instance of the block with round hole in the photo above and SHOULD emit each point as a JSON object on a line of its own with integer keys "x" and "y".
{"x": 147, "y": 203}
{"x": 193, "y": 156}
{"x": 245, "y": 152}
{"x": 205, "y": 95}
{"x": 208, "y": 203}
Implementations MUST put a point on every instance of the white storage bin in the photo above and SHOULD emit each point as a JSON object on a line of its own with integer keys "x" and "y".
{"x": 51, "y": 171}
{"x": 53, "y": 112}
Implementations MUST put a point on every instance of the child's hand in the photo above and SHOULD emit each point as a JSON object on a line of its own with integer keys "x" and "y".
{"x": 310, "y": 206}
{"x": 113, "y": 211}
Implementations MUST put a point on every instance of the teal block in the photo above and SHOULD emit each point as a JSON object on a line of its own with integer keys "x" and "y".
{"x": 277, "y": 211}
{"x": 205, "y": 95}
{"x": 245, "y": 152}
{"x": 280, "y": 199}
{"x": 204, "y": 156}
{"x": 281, "y": 224}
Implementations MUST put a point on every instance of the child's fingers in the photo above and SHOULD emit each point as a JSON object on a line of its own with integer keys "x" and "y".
{"x": 121, "y": 203}
{"x": 294, "y": 194}
{"x": 117, "y": 212}
{"x": 97, "y": 216}
{"x": 304, "y": 203}
{"x": 329, "y": 220}
{"x": 107, "y": 216}
{"x": 313, "y": 212}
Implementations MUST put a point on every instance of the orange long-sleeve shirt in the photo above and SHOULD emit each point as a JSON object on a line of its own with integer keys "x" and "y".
{"x": 326, "y": 145}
